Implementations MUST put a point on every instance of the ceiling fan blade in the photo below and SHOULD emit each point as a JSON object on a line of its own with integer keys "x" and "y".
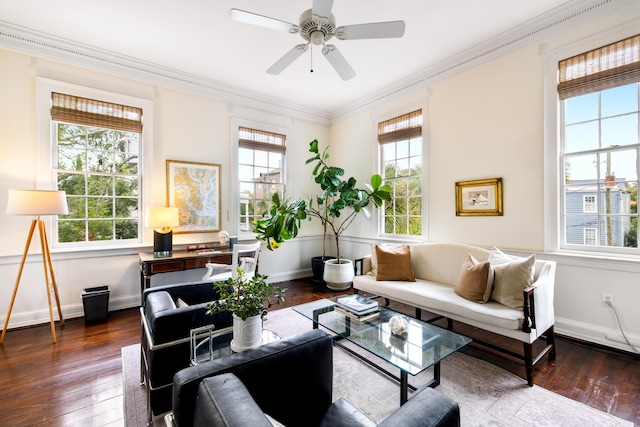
{"x": 321, "y": 9}
{"x": 262, "y": 21}
{"x": 287, "y": 59}
{"x": 374, "y": 30}
{"x": 338, "y": 62}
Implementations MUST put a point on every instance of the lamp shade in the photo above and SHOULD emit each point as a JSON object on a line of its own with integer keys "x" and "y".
{"x": 162, "y": 217}
{"x": 37, "y": 202}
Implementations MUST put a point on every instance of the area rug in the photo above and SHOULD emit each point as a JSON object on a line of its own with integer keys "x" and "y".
{"x": 487, "y": 394}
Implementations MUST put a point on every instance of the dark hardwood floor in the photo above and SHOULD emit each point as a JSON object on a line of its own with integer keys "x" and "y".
{"x": 78, "y": 380}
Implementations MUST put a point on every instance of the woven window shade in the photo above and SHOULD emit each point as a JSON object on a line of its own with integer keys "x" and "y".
{"x": 261, "y": 140}
{"x": 609, "y": 66}
{"x": 406, "y": 126}
{"x": 90, "y": 112}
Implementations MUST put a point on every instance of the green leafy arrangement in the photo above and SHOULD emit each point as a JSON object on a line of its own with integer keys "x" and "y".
{"x": 246, "y": 297}
{"x": 337, "y": 195}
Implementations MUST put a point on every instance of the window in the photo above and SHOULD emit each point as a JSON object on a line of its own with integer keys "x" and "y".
{"x": 590, "y": 236}
{"x": 600, "y": 149}
{"x": 400, "y": 142}
{"x": 260, "y": 172}
{"x": 96, "y": 154}
{"x": 589, "y": 204}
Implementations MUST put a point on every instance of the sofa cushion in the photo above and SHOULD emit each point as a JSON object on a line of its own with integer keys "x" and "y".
{"x": 472, "y": 284}
{"x": 440, "y": 262}
{"x": 442, "y": 299}
{"x": 394, "y": 263}
{"x": 511, "y": 278}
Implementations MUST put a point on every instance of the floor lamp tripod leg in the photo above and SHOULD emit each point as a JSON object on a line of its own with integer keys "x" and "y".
{"x": 53, "y": 276}
{"x": 46, "y": 268}
{"x": 15, "y": 287}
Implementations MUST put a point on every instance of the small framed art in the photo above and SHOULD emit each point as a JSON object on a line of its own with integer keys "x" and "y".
{"x": 194, "y": 188}
{"x": 481, "y": 197}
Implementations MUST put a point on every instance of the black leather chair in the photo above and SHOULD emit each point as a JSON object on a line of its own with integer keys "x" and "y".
{"x": 291, "y": 380}
{"x": 166, "y": 335}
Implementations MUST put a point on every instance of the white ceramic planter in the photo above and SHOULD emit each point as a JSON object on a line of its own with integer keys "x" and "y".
{"x": 338, "y": 275}
{"x": 246, "y": 333}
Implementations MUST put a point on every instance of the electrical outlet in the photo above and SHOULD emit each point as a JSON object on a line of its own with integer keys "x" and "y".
{"x": 607, "y": 299}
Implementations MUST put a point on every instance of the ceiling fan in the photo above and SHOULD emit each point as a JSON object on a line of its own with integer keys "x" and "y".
{"x": 317, "y": 26}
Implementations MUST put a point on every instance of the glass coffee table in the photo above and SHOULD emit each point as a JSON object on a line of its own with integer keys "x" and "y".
{"x": 208, "y": 343}
{"x": 422, "y": 345}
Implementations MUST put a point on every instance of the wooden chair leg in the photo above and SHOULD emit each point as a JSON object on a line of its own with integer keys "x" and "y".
{"x": 528, "y": 362}
{"x": 551, "y": 342}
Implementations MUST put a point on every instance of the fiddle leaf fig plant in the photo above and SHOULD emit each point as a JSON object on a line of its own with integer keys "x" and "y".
{"x": 246, "y": 297}
{"x": 337, "y": 196}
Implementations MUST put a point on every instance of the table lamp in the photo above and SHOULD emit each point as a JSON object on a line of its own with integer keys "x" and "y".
{"x": 161, "y": 220}
{"x": 37, "y": 203}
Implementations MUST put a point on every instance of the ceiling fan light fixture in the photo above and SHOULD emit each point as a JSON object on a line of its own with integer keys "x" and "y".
{"x": 318, "y": 26}
{"x": 317, "y": 38}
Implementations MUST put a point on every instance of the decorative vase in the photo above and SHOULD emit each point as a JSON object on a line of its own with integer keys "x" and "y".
{"x": 246, "y": 333}
{"x": 317, "y": 267}
{"x": 338, "y": 274}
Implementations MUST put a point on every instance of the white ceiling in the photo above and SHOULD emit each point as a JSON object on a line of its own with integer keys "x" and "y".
{"x": 197, "y": 40}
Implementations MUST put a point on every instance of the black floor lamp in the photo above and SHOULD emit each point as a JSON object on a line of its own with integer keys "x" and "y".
{"x": 37, "y": 203}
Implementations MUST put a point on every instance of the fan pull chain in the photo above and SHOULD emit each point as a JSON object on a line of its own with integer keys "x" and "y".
{"x": 311, "y": 70}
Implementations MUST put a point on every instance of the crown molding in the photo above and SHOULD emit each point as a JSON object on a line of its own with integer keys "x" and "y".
{"x": 39, "y": 44}
{"x": 32, "y": 42}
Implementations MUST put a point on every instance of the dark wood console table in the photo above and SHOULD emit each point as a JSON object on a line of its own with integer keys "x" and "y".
{"x": 178, "y": 261}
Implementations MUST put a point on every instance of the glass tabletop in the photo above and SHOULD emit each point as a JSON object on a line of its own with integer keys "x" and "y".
{"x": 208, "y": 343}
{"x": 421, "y": 346}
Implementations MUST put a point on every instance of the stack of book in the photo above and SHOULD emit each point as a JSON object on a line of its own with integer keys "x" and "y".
{"x": 357, "y": 307}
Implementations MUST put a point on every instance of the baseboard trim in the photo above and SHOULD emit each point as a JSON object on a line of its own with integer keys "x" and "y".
{"x": 595, "y": 334}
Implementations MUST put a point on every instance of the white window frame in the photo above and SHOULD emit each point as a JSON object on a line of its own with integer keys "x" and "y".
{"x": 236, "y": 124}
{"x": 553, "y": 169}
{"x": 46, "y": 178}
{"x": 423, "y": 178}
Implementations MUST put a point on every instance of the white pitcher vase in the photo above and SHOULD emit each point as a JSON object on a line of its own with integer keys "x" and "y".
{"x": 246, "y": 333}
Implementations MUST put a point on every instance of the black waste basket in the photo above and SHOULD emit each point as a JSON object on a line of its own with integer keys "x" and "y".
{"x": 96, "y": 303}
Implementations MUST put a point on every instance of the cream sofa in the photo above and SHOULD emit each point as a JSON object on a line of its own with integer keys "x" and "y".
{"x": 437, "y": 269}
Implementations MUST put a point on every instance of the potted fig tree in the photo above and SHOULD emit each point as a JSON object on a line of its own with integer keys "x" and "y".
{"x": 338, "y": 196}
{"x": 248, "y": 301}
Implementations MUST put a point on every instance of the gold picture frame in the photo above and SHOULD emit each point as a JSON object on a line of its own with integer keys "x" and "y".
{"x": 194, "y": 188}
{"x": 481, "y": 197}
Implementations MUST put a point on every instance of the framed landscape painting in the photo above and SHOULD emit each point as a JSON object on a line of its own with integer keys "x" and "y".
{"x": 479, "y": 198}
{"x": 194, "y": 188}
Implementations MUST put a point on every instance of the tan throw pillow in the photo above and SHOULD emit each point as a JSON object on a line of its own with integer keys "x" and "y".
{"x": 374, "y": 258}
{"x": 394, "y": 263}
{"x": 511, "y": 278}
{"x": 489, "y": 287}
{"x": 472, "y": 283}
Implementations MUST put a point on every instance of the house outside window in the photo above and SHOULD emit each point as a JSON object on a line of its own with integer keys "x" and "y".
{"x": 600, "y": 149}
{"x": 400, "y": 145}
{"x": 261, "y": 159}
{"x": 96, "y": 161}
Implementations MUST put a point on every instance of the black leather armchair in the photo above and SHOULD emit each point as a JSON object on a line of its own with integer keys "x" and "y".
{"x": 166, "y": 332}
{"x": 290, "y": 380}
